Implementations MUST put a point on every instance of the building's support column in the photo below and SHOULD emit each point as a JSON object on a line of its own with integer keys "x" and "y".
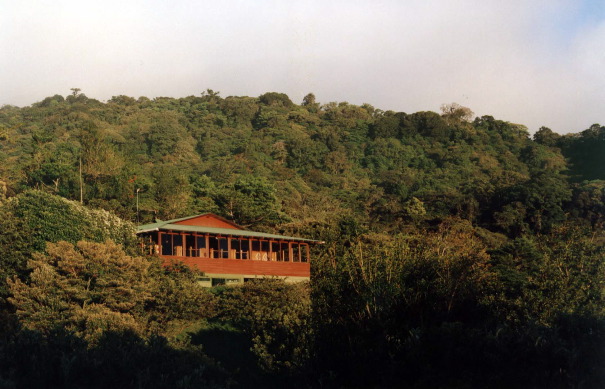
{"x": 160, "y": 243}
{"x": 184, "y": 241}
{"x": 195, "y": 248}
{"x": 207, "y": 237}
{"x": 171, "y": 242}
{"x": 270, "y": 251}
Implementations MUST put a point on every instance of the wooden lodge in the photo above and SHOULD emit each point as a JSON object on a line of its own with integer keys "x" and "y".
{"x": 225, "y": 252}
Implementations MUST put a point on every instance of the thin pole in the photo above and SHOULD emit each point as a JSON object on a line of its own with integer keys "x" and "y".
{"x": 81, "y": 185}
{"x": 138, "y": 189}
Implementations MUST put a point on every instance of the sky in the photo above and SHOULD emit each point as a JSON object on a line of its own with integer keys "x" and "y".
{"x": 532, "y": 62}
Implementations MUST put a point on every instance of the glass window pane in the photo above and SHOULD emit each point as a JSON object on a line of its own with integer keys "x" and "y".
{"x": 166, "y": 244}
{"x": 214, "y": 252}
{"x": 285, "y": 252}
{"x": 177, "y": 241}
{"x": 295, "y": 252}
{"x": 245, "y": 245}
{"x": 190, "y": 240}
{"x": 201, "y": 242}
{"x": 224, "y": 253}
{"x": 304, "y": 252}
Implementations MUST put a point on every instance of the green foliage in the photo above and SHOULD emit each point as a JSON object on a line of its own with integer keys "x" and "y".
{"x": 275, "y": 99}
{"x": 34, "y": 218}
{"x": 453, "y": 166}
{"x": 277, "y": 318}
{"x": 50, "y": 218}
{"x": 545, "y": 136}
{"x": 586, "y": 153}
{"x": 250, "y": 201}
{"x": 588, "y": 203}
{"x": 557, "y": 274}
{"x": 29, "y": 359}
{"x": 536, "y": 205}
{"x": 459, "y": 253}
{"x": 93, "y": 288}
{"x": 438, "y": 310}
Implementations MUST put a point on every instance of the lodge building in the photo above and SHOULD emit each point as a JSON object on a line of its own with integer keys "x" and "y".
{"x": 225, "y": 252}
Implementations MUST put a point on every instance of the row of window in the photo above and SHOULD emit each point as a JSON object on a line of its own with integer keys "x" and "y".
{"x": 205, "y": 246}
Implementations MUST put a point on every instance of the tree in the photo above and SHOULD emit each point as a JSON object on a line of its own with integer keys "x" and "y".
{"x": 275, "y": 99}
{"x": 309, "y": 100}
{"x": 93, "y": 288}
{"x": 454, "y": 112}
{"x": 86, "y": 290}
{"x": 100, "y": 162}
{"x": 310, "y": 103}
{"x": 250, "y": 201}
{"x": 172, "y": 191}
{"x": 276, "y": 317}
{"x": 545, "y": 136}
{"x": 538, "y": 202}
{"x": 33, "y": 218}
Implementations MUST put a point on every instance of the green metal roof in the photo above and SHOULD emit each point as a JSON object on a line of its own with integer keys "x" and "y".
{"x": 168, "y": 225}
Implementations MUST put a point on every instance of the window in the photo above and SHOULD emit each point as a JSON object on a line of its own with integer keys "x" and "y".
{"x": 245, "y": 247}
{"x": 204, "y": 281}
{"x": 190, "y": 240}
{"x": 166, "y": 244}
{"x": 304, "y": 251}
{"x": 214, "y": 247}
{"x": 201, "y": 246}
{"x": 177, "y": 242}
{"x": 201, "y": 242}
{"x": 239, "y": 248}
{"x": 285, "y": 251}
{"x": 295, "y": 252}
{"x": 255, "y": 245}
{"x": 224, "y": 248}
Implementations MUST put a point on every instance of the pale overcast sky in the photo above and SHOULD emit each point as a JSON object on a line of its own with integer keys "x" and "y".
{"x": 534, "y": 62}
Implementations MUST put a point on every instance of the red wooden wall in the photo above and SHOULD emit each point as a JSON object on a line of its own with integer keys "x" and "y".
{"x": 208, "y": 221}
{"x": 239, "y": 266}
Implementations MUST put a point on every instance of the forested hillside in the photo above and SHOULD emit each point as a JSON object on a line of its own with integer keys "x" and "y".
{"x": 460, "y": 251}
{"x": 267, "y": 162}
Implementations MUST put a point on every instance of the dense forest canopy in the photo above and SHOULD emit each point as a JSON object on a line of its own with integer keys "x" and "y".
{"x": 460, "y": 250}
{"x": 269, "y": 163}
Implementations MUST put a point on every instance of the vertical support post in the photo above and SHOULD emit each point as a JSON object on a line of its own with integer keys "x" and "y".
{"x": 160, "y": 243}
{"x": 197, "y": 250}
{"x": 184, "y": 239}
{"x": 290, "y": 252}
{"x": 138, "y": 189}
{"x": 207, "y": 246}
{"x": 270, "y": 250}
{"x": 81, "y": 183}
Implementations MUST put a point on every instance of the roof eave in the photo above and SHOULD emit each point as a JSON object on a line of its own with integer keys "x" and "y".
{"x": 228, "y": 232}
{"x": 147, "y": 230}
